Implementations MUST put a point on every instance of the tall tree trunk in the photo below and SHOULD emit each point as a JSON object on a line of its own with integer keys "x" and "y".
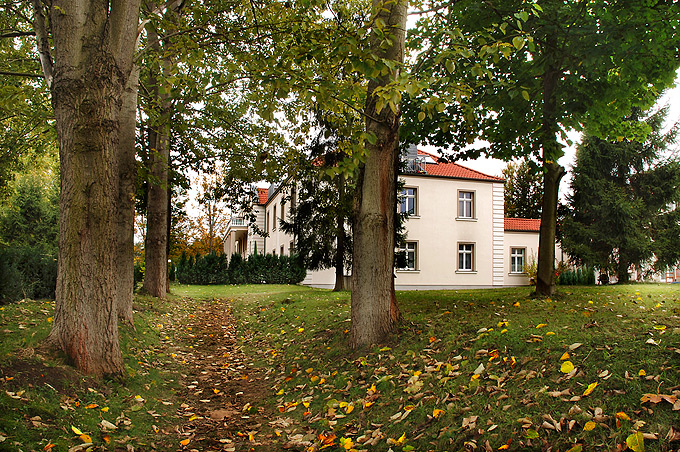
{"x": 155, "y": 249}
{"x": 374, "y": 308}
{"x": 93, "y": 55}
{"x": 622, "y": 267}
{"x": 552, "y": 174}
{"x": 125, "y": 227}
{"x": 545, "y": 275}
{"x": 156, "y": 246}
{"x": 340, "y": 238}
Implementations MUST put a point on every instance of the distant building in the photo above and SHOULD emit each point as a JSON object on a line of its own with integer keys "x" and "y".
{"x": 457, "y": 236}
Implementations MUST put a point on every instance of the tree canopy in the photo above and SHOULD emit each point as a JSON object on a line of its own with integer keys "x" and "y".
{"x": 624, "y": 200}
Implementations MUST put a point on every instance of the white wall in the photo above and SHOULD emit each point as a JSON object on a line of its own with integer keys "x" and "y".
{"x": 438, "y": 231}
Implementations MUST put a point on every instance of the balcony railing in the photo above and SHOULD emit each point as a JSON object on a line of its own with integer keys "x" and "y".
{"x": 236, "y": 221}
{"x": 416, "y": 166}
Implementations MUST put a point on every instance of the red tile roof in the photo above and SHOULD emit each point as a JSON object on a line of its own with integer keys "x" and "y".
{"x": 263, "y": 195}
{"x": 522, "y": 225}
{"x": 454, "y": 170}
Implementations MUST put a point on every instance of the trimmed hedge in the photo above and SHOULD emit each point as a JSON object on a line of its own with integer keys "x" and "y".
{"x": 214, "y": 268}
{"x": 582, "y": 276}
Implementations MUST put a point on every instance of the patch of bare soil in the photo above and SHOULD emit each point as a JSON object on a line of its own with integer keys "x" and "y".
{"x": 221, "y": 405}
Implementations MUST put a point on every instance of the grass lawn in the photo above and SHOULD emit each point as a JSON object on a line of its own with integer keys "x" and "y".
{"x": 467, "y": 370}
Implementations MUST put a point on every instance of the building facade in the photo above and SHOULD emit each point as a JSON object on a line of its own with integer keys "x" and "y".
{"x": 457, "y": 236}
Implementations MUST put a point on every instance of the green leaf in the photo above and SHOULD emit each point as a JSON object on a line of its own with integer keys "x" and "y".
{"x": 421, "y": 116}
{"x": 531, "y": 434}
{"x": 518, "y": 42}
{"x": 576, "y": 448}
{"x": 525, "y": 95}
{"x": 636, "y": 442}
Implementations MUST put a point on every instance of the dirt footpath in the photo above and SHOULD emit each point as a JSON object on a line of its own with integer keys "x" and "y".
{"x": 221, "y": 403}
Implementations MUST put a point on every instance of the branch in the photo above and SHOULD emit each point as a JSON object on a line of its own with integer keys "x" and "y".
{"x": 16, "y": 34}
{"x": 21, "y": 74}
{"x": 43, "y": 43}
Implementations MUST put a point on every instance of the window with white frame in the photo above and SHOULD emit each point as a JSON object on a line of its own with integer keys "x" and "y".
{"x": 410, "y": 249}
{"x": 466, "y": 257}
{"x": 466, "y": 204}
{"x": 517, "y": 260}
{"x": 408, "y": 201}
{"x": 274, "y": 217}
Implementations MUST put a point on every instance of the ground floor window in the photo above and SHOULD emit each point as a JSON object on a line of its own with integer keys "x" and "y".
{"x": 466, "y": 254}
{"x": 410, "y": 250}
{"x": 517, "y": 260}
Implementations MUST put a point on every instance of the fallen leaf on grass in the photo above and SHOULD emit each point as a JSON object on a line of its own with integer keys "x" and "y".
{"x": 567, "y": 366}
{"x": 576, "y": 448}
{"x": 184, "y": 442}
{"x": 590, "y": 389}
{"x": 636, "y": 442}
{"x": 590, "y": 426}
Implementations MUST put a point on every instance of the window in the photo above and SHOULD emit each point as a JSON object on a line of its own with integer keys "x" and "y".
{"x": 293, "y": 193}
{"x": 274, "y": 223}
{"x": 282, "y": 250}
{"x": 517, "y": 260}
{"x": 266, "y": 223}
{"x": 466, "y": 204}
{"x": 410, "y": 249}
{"x": 283, "y": 209}
{"x": 408, "y": 201}
{"x": 466, "y": 257}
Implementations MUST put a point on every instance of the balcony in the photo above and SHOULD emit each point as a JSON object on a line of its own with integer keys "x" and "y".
{"x": 237, "y": 222}
{"x": 417, "y": 166}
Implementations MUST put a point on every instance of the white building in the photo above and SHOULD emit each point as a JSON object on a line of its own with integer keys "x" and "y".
{"x": 457, "y": 236}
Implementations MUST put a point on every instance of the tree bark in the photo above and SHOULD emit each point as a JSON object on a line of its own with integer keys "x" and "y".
{"x": 93, "y": 55}
{"x": 374, "y": 309}
{"x": 156, "y": 245}
{"x": 545, "y": 275}
{"x": 156, "y": 261}
{"x": 125, "y": 227}
{"x": 340, "y": 239}
{"x": 552, "y": 174}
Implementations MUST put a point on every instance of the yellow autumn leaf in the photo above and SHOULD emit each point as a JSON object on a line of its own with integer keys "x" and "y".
{"x": 642, "y": 373}
{"x": 184, "y": 442}
{"x": 409, "y": 407}
{"x": 314, "y": 378}
{"x": 636, "y": 442}
{"x": 590, "y": 389}
{"x": 550, "y": 333}
{"x": 576, "y": 448}
{"x": 541, "y": 325}
{"x": 347, "y": 443}
{"x": 76, "y": 430}
{"x": 300, "y": 330}
{"x": 85, "y": 438}
{"x": 517, "y": 305}
{"x": 590, "y": 425}
{"x": 437, "y": 412}
{"x": 660, "y": 327}
{"x": 565, "y": 356}
{"x": 216, "y": 391}
{"x": 567, "y": 366}
{"x": 92, "y": 405}
{"x": 107, "y": 439}
{"x": 281, "y": 391}
{"x": 349, "y": 409}
{"x": 105, "y": 409}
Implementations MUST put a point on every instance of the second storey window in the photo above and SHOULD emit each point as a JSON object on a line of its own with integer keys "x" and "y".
{"x": 516, "y": 260}
{"x": 466, "y": 204}
{"x": 274, "y": 218}
{"x": 408, "y": 201}
{"x": 466, "y": 257}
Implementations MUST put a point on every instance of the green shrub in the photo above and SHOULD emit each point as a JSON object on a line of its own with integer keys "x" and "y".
{"x": 28, "y": 271}
{"x": 581, "y": 276}
{"x": 256, "y": 269}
